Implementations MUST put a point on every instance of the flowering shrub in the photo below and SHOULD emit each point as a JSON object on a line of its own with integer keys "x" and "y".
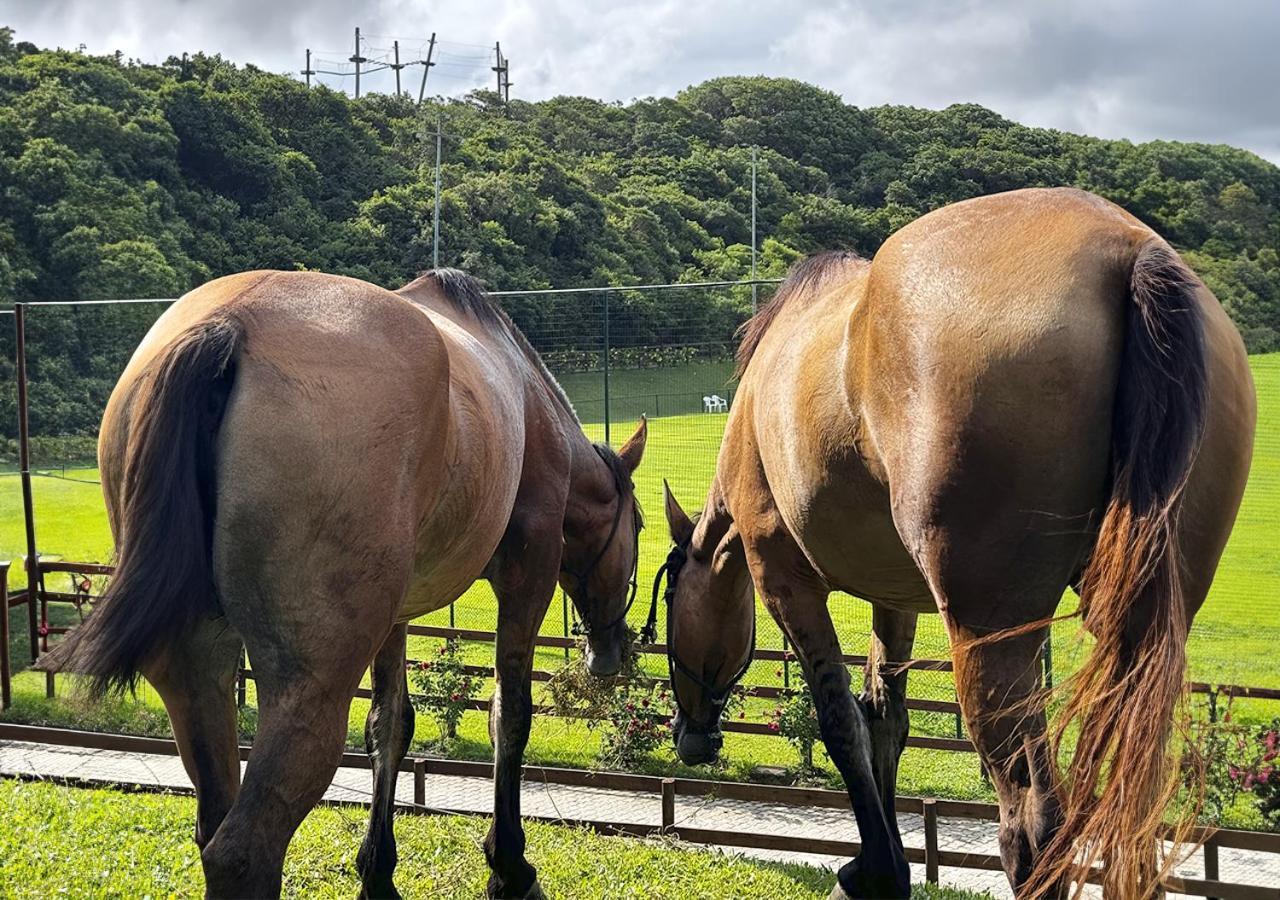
{"x": 796, "y": 719}
{"x": 629, "y": 710}
{"x": 1228, "y": 760}
{"x": 636, "y": 724}
{"x": 443, "y": 687}
{"x": 1260, "y": 775}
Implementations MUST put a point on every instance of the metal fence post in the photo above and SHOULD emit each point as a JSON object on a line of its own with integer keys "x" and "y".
{"x": 564, "y": 619}
{"x": 606, "y": 367}
{"x": 1048, "y": 659}
{"x": 419, "y": 783}
{"x": 786, "y": 664}
{"x": 242, "y": 683}
{"x": 35, "y": 581}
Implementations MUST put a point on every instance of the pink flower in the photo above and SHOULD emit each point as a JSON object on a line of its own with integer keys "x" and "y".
{"x": 455, "y": 696}
{"x": 1234, "y": 773}
{"x": 773, "y": 726}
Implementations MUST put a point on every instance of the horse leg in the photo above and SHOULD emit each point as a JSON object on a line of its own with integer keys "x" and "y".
{"x": 997, "y": 684}
{"x": 884, "y": 697}
{"x": 387, "y": 732}
{"x": 524, "y": 590}
{"x": 196, "y": 679}
{"x": 799, "y": 604}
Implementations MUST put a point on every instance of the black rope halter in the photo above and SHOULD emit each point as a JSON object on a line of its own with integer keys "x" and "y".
{"x": 581, "y": 623}
{"x": 676, "y": 559}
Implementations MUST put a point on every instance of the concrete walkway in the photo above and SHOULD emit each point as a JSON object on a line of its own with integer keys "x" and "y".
{"x": 464, "y": 794}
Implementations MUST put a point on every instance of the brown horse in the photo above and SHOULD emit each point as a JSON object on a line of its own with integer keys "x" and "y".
{"x": 304, "y": 463}
{"x": 1023, "y": 392}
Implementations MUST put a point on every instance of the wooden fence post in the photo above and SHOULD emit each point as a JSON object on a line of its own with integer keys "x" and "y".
{"x": 931, "y": 840}
{"x": 1211, "y": 861}
{"x": 419, "y": 783}
{"x": 668, "y": 805}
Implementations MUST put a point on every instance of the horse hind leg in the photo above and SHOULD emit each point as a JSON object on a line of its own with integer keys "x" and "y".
{"x": 884, "y": 697}
{"x": 387, "y": 732}
{"x": 308, "y": 665}
{"x": 195, "y": 678}
{"x": 998, "y": 684}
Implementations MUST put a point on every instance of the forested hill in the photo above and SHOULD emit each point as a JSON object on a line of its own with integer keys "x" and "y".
{"x": 120, "y": 179}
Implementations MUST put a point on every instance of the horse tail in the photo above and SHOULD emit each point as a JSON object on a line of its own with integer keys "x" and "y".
{"x": 164, "y": 517}
{"x": 1123, "y": 772}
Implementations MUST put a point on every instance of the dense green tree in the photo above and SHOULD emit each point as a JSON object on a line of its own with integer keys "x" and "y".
{"x": 119, "y": 179}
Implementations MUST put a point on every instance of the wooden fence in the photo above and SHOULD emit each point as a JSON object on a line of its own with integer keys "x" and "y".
{"x": 42, "y": 631}
{"x": 932, "y": 811}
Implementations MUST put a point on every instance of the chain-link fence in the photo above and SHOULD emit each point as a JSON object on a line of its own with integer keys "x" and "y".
{"x": 664, "y": 352}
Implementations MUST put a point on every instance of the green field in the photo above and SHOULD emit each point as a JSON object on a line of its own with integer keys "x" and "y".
{"x": 1232, "y": 642}
{"x": 64, "y": 841}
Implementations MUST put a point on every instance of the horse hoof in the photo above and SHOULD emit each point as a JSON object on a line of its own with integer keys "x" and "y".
{"x": 535, "y": 892}
{"x": 838, "y": 893}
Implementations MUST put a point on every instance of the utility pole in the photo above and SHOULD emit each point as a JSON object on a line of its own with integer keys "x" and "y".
{"x": 308, "y": 71}
{"x": 506, "y": 81}
{"x": 396, "y": 65}
{"x": 435, "y": 218}
{"x": 754, "y": 287}
{"x": 497, "y": 50}
{"x": 426, "y": 67}
{"x": 357, "y": 59}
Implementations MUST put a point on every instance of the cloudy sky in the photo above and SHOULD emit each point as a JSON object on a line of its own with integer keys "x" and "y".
{"x": 1141, "y": 69}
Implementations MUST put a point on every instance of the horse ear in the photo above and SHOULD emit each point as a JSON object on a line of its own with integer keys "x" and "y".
{"x": 633, "y": 449}
{"x": 679, "y": 524}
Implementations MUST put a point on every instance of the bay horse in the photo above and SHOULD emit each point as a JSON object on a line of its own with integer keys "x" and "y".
{"x": 303, "y": 463}
{"x": 1022, "y": 392}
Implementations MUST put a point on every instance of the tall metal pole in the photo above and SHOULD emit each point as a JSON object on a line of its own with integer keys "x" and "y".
{"x": 426, "y": 67}
{"x": 35, "y": 583}
{"x": 497, "y": 67}
{"x": 755, "y": 302}
{"x": 435, "y": 215}
{"x": 357, "y": 59}
{"x": 396, "y": 49}
{"x": 308, "y": 71}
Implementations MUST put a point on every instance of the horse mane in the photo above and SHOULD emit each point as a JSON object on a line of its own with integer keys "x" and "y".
{"x": 467, "y": 295}
{"x": 801, "y": 281}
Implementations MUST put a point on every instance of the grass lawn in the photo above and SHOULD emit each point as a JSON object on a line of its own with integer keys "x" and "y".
{"x": 1232, "y": 641}
{"x": 93, "y": 843}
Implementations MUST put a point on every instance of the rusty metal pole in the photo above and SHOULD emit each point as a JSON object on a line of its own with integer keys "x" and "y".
{"x": 35, "y": 583}
{"x": 6, "y": 691}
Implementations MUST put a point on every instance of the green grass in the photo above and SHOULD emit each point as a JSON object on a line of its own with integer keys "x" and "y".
{"x": 64, "y": 841}
{"x": 1233, "y": 639}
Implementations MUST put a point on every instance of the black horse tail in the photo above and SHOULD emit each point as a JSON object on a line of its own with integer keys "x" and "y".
{"x": 163, "y": 514}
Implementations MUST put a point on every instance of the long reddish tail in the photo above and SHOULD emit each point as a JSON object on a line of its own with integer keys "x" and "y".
{"x": 1123, "y": 772}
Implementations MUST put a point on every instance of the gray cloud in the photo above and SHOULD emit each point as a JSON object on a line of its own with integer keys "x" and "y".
{"x": 1140, "y": 69}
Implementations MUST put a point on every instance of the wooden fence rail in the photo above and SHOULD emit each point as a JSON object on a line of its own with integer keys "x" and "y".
{"x": 932, "y": 810}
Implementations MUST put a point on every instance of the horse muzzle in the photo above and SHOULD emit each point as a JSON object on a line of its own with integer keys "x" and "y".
{"x": 604, "y": 657}
{"x": 694, "y": 746}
